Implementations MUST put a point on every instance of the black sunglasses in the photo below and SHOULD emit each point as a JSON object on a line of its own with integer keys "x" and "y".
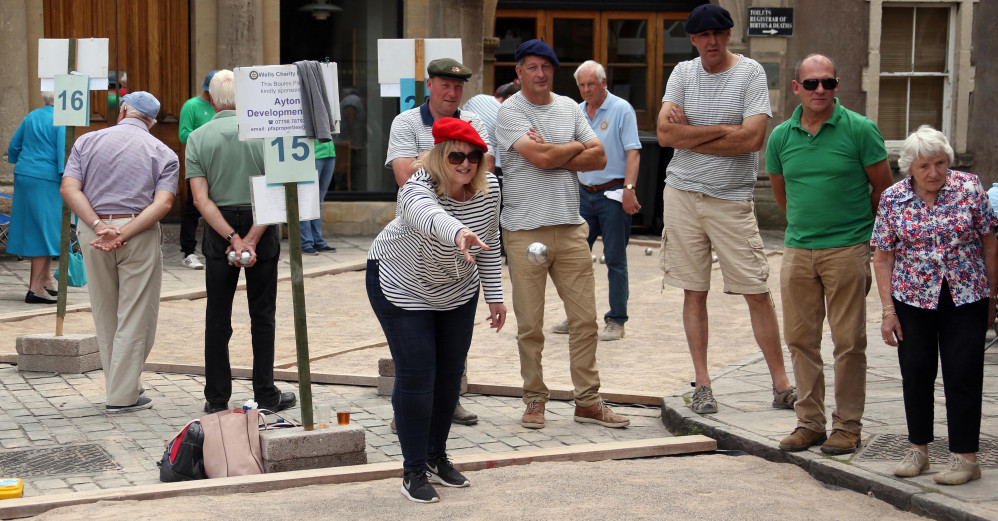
{"x": 827, "y": 83}
{"x": 456, "y": 158}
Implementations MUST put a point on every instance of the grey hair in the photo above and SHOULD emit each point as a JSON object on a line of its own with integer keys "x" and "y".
{"x": 926, "y": 142}
{"x": 595, "y": 66}
{"x": 223, "y": 89}
{"x": 48, "y": 97}
{"x": 132, "y": 112}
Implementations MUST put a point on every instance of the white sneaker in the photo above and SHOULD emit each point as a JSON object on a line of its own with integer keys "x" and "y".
{"x": 191, "y": 261}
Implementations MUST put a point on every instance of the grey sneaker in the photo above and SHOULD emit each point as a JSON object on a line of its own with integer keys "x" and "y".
{"x": 703, "y": 400}
{"x": 191, "y": 261}
{"x": 443, "y": 472}
{"x": 612, "y": 331}
{"x": 561, "y": 327}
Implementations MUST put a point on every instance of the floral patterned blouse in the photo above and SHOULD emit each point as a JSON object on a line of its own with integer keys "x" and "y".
{"x": 943, "y": 242}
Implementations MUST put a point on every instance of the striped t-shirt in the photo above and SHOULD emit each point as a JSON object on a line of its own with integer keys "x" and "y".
{"x": 534, "y": 196}
{"x": 487, "y": 108}
{"x": 725, "y": 98}
{"x": 421, "y": 267}
{"x": 412, "y": 132}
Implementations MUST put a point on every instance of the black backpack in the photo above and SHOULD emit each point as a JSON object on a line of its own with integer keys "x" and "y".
{"x": 183, "y": 459}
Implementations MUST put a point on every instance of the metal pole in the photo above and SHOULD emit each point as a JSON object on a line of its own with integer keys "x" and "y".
{"x": 298, "y": 302}
{"x": 60, "y": 311}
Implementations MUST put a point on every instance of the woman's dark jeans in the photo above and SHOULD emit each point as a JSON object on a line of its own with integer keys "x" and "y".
{"x": 954, "y": 334}
{"x": 429, "y": 349}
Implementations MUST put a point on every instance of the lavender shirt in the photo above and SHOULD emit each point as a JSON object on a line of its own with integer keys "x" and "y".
{"x": 121, "y": 167}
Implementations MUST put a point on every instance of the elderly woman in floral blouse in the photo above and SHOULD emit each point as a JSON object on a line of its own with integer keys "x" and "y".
{"x": 936, "y": 266}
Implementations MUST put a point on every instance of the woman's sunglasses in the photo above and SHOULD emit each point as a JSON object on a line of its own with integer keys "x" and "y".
{"x": 827, "y": 83}
{"x": 456, "y": 158}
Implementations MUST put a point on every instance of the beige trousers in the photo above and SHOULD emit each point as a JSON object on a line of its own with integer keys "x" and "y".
{"x": 124, "y": 287}
{"x": 570, "y": 265}
{"x": 811, "y": 281}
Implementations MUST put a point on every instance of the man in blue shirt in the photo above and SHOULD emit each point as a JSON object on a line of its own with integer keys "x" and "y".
{"x": 607, "y": 197}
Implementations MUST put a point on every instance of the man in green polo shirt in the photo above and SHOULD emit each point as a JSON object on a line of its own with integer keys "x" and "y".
{"x": 196, "y": 112}
{"x": 219, "y": 167}
{"x": 822, "y": 162}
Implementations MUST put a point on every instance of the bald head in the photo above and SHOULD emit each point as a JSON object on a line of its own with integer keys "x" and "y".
{"x": 814, "y": 59}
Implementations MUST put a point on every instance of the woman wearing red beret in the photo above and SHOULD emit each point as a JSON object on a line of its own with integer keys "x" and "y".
{"x": 423, "y": 276}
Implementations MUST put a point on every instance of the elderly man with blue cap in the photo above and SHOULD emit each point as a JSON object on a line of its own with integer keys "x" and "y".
{"x": 120, "y": 181}
{"x": 714, "y": 113}
{"x": 196, "y": 112}
{"x": 545, "y": 141}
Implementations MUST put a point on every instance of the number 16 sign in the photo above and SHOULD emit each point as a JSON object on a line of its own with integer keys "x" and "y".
{"x": 72, "y": 100}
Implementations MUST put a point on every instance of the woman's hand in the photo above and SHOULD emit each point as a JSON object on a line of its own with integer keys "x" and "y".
{"x": 466, "y": 239}
{"x": 890, "y": 330}
{"x": 497, "y": 314}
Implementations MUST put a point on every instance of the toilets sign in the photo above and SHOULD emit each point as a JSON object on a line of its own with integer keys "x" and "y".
{"x": 771, "y": 21}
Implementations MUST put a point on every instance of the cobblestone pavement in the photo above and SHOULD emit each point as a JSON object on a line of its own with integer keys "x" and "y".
{"x": 43, "y": 412}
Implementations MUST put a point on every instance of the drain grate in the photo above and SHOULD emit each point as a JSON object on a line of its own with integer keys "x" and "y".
{"x": 71, "y": 459}
{"x": 892, "y": 447}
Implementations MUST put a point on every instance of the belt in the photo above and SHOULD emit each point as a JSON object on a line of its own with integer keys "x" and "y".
{"x": 604, "y": 186}
{"x": 237, "y": 208}
{"x": 116, "y": 215}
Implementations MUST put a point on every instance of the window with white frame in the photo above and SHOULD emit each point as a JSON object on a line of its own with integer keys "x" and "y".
{"x": 918, "y": 70}
{"x": 915, "y": 69}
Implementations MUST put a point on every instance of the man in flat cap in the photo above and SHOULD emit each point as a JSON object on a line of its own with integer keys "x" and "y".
{"x": 411, "y": 138}
{"x": 196, "y": 112}
{"x": 714, "y": 113}
{"x": 120, "y": 181}
{"x": 545, "y": 140}
{"x": 219, "y": 167}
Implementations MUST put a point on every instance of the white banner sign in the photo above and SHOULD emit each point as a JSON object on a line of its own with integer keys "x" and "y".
{"x": 268, "y": 100}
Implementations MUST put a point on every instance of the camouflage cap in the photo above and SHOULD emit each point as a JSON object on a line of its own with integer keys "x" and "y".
{"x": 448, "y": 68}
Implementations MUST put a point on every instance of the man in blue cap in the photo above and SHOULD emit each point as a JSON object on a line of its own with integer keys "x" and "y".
{"x": 714, "y": 113}
{"x": 120, "y": 181}
{"x": 196, "y": 112}
{"x": 545, "y": 140}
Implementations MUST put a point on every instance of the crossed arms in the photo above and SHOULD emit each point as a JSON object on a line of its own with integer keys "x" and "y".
{"x": 573, "y": 155}
{"x": 675, "y": 131}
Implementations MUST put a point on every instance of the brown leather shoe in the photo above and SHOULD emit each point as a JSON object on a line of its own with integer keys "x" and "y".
{"x": 801, "y": 439}
{"x": 463, "y": 416}
{"x": 533, "y": 418}
{"x": 841, "y": 442}
{"x": 601, "y": 414}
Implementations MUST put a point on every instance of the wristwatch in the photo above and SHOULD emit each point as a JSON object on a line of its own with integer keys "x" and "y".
{"x": 228, "y": 238}
{"x": 629, "y": 186}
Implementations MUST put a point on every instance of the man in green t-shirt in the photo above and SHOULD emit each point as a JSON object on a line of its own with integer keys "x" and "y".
{"x": 196, "y": 112}
{"x": 219, "y": 167}
{"x": 822, "y": 162}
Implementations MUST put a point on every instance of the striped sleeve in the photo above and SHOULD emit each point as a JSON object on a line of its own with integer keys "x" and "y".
{"x": 418, "y": 207}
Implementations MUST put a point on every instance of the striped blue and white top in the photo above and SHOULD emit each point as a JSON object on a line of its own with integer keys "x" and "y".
{"x": 534, "y": 196}
{"x": 420, "y": 265}
{"x": 727, "y": 97}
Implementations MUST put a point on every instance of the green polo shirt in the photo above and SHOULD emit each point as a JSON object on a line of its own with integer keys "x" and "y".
{"x": 828, "y": 194}
{"x": 193, "y": 114}
{"x": 215, "y": 153}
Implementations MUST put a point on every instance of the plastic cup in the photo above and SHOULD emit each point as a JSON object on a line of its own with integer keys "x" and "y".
{"x": 323, "y": 416}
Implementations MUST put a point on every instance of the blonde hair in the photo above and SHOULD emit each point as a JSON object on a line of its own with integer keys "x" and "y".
{"x": 435, "y": 164}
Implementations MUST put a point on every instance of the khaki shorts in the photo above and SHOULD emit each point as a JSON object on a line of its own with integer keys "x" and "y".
{"x": 694, "y": 223}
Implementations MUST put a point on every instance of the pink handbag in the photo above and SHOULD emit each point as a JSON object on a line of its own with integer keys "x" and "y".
{"x": 232, "y": 443}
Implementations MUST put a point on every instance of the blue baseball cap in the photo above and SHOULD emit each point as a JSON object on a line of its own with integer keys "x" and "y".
{"x": 537, "y": 48}
{"x": 207, "y": 80}
{"x": 708, "y": 17}
{"x": 143, "y": 102}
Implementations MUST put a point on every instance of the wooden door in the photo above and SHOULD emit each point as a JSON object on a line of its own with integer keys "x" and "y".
{"x": 148, "y": 47}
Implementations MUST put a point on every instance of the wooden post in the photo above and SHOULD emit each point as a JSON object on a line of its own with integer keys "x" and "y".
{"x": 298, "y": 303}
{"x": 60, "y": 311}
{"x": 420, "y": 77}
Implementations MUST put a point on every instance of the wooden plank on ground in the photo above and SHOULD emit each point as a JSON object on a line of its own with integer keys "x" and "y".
{"x": 624, "y": 397}
{"x": 26, "y": 507}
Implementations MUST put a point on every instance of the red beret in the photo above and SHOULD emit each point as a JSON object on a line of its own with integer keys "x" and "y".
{"x": 447, "y": 129}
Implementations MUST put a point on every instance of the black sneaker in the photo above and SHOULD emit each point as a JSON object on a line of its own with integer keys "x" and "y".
{"x": 441, "y": 471}
{"x": 416, "y": 488}
{"x": 212, "y": 408}
{"x": 141, "y": 403}
{"x": 285, "y": 400}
